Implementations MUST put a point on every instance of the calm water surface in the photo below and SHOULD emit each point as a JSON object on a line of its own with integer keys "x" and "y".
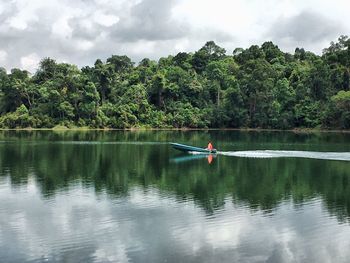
{"x": 128, "y": 197}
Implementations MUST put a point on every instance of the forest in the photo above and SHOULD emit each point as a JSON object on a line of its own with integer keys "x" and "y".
{"x": 257, "y": 87}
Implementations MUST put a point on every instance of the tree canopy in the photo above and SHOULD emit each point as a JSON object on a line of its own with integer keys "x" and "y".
{"x": 256, "y": 87}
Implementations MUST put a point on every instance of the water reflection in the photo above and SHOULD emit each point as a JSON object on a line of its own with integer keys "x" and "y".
{"x": 132, "y": 160}
{"x": 124, "y": 196}
{"x": 148, "y": 226}
{"x": 192, "y": 157}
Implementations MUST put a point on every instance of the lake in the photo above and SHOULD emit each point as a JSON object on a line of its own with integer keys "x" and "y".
{"x": 127, "y": 196}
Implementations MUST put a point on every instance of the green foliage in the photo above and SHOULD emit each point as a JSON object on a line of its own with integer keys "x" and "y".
{"x": 257, "y": 87}
{"x": 19, "y": 118}
{"x": 339, "y": 112}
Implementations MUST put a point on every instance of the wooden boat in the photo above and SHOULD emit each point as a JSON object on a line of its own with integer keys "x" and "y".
{"x": 188, "y": 148}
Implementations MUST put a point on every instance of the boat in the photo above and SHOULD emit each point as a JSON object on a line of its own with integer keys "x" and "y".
{"x": 189, "y": 148}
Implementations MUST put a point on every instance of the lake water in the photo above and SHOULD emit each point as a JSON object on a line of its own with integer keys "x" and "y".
{"x": 119, "y": 196}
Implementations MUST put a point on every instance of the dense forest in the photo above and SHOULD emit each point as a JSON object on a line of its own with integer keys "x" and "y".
{"x": 257, "y": 87}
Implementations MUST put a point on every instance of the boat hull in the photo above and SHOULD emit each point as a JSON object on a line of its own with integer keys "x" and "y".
{"x": 188, "y": 148}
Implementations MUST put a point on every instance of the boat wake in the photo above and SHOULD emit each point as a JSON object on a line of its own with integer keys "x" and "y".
{"x": 339, "y": 156}
{"x": 198, "y": 153}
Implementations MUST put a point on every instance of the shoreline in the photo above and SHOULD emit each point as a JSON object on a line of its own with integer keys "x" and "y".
{"x": 296, "y": 130}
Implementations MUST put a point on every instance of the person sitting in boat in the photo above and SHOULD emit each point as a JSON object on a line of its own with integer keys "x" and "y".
{"x": 210, "y": 146}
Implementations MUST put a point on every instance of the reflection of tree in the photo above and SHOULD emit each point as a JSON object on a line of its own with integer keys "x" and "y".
{"x": 114, "y": 168}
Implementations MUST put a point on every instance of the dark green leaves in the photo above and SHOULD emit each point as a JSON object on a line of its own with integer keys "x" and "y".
{"x": 257, "y": 87}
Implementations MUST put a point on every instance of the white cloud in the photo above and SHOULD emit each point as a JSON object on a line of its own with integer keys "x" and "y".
{"x": 154, "y": 28}
{"x": 182, "y": 45}
{"x": 30, "y": 62}
{"x": 61, "y": 29}
{"x": 84, "y": 45}
{"x": 17, "y": 23}
{"x": 3, "y": 56}
{"x": 105, "y": 20}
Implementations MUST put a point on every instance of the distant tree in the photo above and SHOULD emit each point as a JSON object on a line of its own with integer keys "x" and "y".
{"x": 120, "y": 63}
{"x": 209, "y": 52}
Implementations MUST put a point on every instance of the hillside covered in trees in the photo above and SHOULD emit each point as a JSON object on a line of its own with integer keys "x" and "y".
{"x": 257, "y": 87}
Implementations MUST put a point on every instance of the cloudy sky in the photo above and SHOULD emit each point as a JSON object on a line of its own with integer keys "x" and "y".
{"x": 81, "y": 31}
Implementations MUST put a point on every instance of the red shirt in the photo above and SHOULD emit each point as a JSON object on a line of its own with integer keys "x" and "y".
{"x": 210, "y": 146}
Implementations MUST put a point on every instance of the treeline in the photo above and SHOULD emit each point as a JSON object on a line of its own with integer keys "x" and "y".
{"x": 257, "y": 87}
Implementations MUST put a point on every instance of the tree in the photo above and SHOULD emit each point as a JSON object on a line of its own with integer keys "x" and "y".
{"x": 259, "y": 86}
{"x": 46, "y": 71}
{"x": 158, "y": 85}
{"x": 209, "y": 52}
{"x": 102, "y": 77}
{"x": 183, "y": 60}
{"x": 271, "y": 51}
{"x": 341, "y": 110}
{"x": 216, "y": 72}
{"x": 19, "y": 118}
{"x": 88, "y": 106}
{"x": 120, "y": 63}
{"x": 15, "y": 90}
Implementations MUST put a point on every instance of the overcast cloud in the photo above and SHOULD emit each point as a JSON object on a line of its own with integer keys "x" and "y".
{"x": 81, "y": 31}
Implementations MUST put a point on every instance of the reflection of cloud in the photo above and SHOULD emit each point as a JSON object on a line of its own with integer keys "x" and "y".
{"x": 220, "y": 232}
{"x": 149, "y": 226}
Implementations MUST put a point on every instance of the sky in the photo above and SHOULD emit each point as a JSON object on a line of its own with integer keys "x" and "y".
{"x": 82, "y": 31}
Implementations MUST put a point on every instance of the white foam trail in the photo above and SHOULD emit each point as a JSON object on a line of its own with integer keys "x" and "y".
{"x": 340, "y": 156}
{"x": 197, "y": 153}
